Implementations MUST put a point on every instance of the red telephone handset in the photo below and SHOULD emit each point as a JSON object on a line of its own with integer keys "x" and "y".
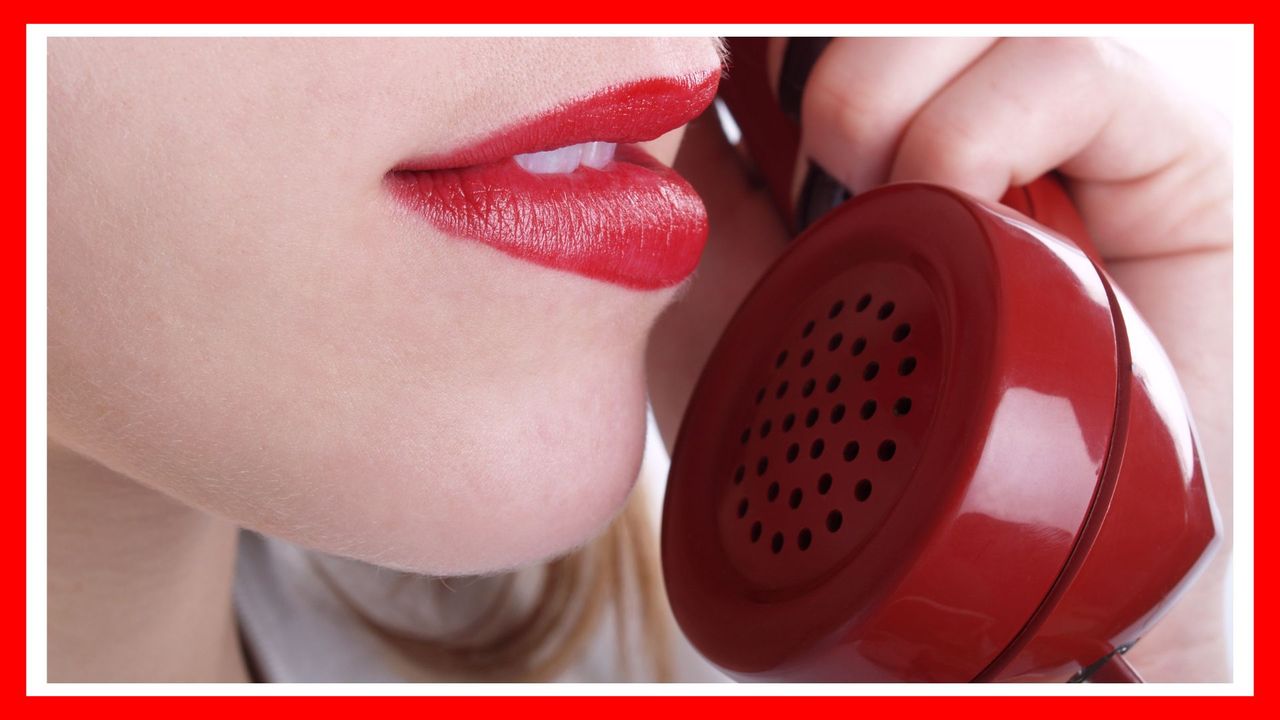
{"x": 935, "y": 443}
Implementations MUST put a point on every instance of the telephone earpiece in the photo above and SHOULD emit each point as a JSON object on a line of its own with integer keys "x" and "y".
{"x": 935, "y": 443}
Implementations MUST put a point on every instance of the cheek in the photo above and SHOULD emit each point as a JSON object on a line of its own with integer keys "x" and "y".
{"x": 354, "y": 386}
{"x": 244, "y": 322}
{"x": 361, "y": 445}
{"x": 470, "y": 419}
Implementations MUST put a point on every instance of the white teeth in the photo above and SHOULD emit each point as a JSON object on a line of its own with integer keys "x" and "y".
{"x": 567, "y": 159}
{"x": 597, "y": 154}
{"x": 560, "y": 160}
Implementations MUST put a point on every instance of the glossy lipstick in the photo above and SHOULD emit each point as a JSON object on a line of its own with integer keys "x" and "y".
{"x": 632, "y": 222}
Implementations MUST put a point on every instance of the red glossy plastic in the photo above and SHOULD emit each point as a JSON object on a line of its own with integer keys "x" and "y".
{"x": 934, "y": 444}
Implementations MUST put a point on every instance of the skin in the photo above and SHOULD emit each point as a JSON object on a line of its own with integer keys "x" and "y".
{"x": 1149, "y": 171}
{"x": 245, "y": 331}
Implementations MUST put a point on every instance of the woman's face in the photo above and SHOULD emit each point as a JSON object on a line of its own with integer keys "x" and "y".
{"x": 245, "y": 314}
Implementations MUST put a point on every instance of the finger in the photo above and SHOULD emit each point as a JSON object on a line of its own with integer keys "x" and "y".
{"x": 1128, "y": 145}
{"x": 862, "y": 94}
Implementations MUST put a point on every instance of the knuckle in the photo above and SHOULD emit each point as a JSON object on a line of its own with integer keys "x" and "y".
{"x": 1095, "y": 58}
{"x": 950, "y": 144}
{"x": 842, "y": 120}
{"x": 845, "y": 114}
{"x": 850, "y": 110}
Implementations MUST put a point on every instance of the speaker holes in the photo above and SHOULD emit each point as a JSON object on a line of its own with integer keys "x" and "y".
{"x": 822, "y": 385}
{"x": 861, "y": 491}
{"x": 868, "y": 409}
{"x": 869, "y": 373}
{"x": 837, "y": 413}
{"x": 834, "y": 520}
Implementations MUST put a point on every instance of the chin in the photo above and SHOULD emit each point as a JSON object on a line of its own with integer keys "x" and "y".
{"x": 555, "y": 476}
{"x": 459, "y": 423}
{"x": 477, "y": 485}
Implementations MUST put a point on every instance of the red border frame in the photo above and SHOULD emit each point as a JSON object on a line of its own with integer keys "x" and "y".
{"x": 14, "y": 532}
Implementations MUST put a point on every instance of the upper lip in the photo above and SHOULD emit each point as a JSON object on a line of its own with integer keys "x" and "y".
{"x": 627, "y": 113}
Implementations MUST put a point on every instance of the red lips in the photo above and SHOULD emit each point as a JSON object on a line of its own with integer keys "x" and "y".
{"x": 633, "y": 222}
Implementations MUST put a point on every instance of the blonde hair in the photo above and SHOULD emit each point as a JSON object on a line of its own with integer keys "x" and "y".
{"x": 535, "y": 642}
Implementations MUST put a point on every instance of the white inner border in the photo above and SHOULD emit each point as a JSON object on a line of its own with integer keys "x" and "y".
{"x": 1241, "y": 38}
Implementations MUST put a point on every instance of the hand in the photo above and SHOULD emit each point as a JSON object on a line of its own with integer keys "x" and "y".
{"x": 1149, "y": 171}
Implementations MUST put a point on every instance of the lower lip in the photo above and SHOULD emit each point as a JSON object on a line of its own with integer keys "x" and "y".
{"x": 634, "y": 223}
